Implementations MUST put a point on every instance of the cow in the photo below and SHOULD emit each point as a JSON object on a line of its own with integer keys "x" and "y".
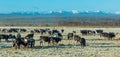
{"x": 80, "y": 40}
{"x": 99, "y": 31}
{"x": 70, "y": 36}
{"x": 47, "y": 29}
{"x": 50, "y": 33}
{"x": 31, "y": 35}
{"x": 55, "y": 31}
{"x": 77, "y": 38}
{"x": 56, "y": 40}
{"x": 104, "y": 34}
{"x": 23, "y": 30}
{"x": 42, "y": 31}
{"x": 62, "y": 30}
{"x": 83, "y": 42}
{"x": 51, "y": 39}
{"x": 87, "y": 32}
{"x": 36, "y": 30}
{"x": 45, "y": 39}
{"x": 20, "y": 41}
{"x": 13, "y": 30}
{"x": 4, "y": 30}
{"x": 6, "y": 37}
{"x": 31, "y": 43}
{"x": 26, "y": 42}
{"x": 109, "y": 35}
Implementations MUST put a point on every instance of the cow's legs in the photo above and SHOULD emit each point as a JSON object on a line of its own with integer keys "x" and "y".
{"x": 33, "y": 44}
{"x": 48, "y": 43}
{"x": 6, "y": 40}
{"x": 57, "y": 44}
{"x": 41, "y": 43}
{"x": 18, "y": 46}
{"x": 83, "y": 45}
{"x": 74, "y": 41}
{"x": 69, "y": 39}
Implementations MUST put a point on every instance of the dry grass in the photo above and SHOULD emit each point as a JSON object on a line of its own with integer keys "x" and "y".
{"x": 96, "y": 46}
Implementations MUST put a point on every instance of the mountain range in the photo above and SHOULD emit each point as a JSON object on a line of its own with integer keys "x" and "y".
{"x": 61, "y": 13}
{"x": 60, "y": 17}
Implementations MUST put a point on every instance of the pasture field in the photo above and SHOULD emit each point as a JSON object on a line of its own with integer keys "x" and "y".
{"x": 95, "y": 46}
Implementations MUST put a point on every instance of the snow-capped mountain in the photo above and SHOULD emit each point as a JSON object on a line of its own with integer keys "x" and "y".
{"x": 73, "y": 12}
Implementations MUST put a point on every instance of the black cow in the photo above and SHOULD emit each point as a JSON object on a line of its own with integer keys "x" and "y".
{"x": 6, "y": 37}
{"x": 55, "y": 31}
{"x": 45, "y": 39}
{"x": 50, "y": 40}
{"x": 87, "y": 32}
{"x": 62, "y": 30}
{"x": 23, "y": 41}
{"x": 13, "y": 30}
{"x": 36, "y": 30}
{"x": 31, "y": 43}
{"x": 50, "y": 32}
{"x": 83, "y": 42}
{"x": 56, "y": 40}
{"x": 30, "y": 35}
{"x": 109, "y": 35}
{"x": 99, "y": 31}
{"x": 20, "y": 41}
{"x": 23, "y": 30}
{"x": 42, "y": 31}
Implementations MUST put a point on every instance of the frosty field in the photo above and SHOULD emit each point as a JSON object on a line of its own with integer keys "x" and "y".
{"x": 96, "y": 46}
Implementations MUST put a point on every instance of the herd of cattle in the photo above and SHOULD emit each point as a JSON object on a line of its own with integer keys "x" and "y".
{"x": 53, "y": 38}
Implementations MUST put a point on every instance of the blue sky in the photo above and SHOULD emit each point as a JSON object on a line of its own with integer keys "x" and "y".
{"x": 57, "y": 5}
